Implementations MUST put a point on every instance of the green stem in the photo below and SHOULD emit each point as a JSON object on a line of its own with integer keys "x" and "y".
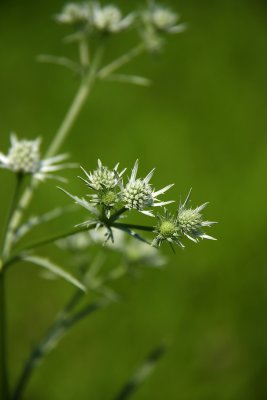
{"x": 3, "y": 336}
{"x": 133, "y": 226}
{"x": 59, "y": 138}
{"x": 121, "y": 61}
{"x": 117, "y": 214}
{"x": 58, "y": 329}
{"x": 4, "y": 390}
{"x": 44, "y": 242}
{"x": 84, "y": 52}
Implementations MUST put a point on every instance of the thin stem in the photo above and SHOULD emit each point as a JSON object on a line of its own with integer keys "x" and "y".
{"x": 84, "y": 52}
{"x": 76, "y": 105}
{"x": 4, "y": 390}
{"x": 142, "y": 373}
{"x": 44, "y": 242}
{"x": 69, "y": 120}
{"x": 16, "y": 217}
{"x": 52, "y": 336}
{"x": 133, "y": 226}
{"x": 117, "y": 214}
{"x": 59, "y": 138}
{"x": 3, "y": 336}
{"x": 121, "y": 61}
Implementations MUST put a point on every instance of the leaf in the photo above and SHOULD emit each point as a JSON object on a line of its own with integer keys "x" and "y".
{"x": 40, "y": 219}
{"x": 55, "y": 269}
{"x": 133, "y": 79}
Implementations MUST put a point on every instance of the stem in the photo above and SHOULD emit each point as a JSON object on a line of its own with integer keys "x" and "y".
{"x": 54, "y": 334}
{"x": 59, "y": 138}
{"x": 16, "y": 217}
{"x": 69, "y": 120}
{"x": 132, "y": 226}
{"x": 84, "y": 52}
{"x": 119, "y": 62}
{"x": 44, "y": 242}
{"x": 117, "y": 214}
{"x": 4, "y": 390}
{"x": 3, "y": 337}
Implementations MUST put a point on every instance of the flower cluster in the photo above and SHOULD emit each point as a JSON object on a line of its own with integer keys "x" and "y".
{"x": 92, "y": 17}
{"x": 157, "y": 21}
{"x": 113, "y": 198}
{"x": 24, "y": 158}
{"x": 186, "y": 222}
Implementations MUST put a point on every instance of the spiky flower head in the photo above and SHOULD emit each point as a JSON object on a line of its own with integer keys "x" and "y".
{"x": 138, "y": 193}
{"x": 167, "y": 229}
{"x": 191, "y": 222}
{"x": 24, "y": 158}
{"x": 103, "y": 177}
{"x": 187, "y": 222}
{"x": 74, "y": 14}
{"x": 109, "y": 18}
{"x": 106, "y": 183}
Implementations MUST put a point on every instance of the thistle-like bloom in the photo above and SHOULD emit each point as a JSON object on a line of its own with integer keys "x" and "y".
{"x": 107, "y": 184}
{"x": 24, "y": 158}
{"x": 162, "y": 19}
{"x": 186, "y": 222}
{"x": 74, "y": 14}
{"x": 109, "y": 18}
{"x": 168, "y": 230}
{"x": 138, "y": 193}
{"x": 191, "y": 223}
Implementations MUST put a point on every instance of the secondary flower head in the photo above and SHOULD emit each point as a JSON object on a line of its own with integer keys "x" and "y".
{"x": 168, "y": 230}
{"x": 109, "y": 18}
{"x": 24, "y": 158}
{"x": 191, "y": 222}
{"x": 74, "y": 13}
{"x": 187, "y": 222}
{"x": 162, "y": 19}
{"x": 138, "y": 193}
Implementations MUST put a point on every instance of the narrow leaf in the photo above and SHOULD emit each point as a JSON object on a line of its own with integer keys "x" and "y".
{"x": 55, "y": 269}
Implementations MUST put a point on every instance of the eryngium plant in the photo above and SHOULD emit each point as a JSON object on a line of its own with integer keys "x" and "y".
{"x": 110, "y": 194}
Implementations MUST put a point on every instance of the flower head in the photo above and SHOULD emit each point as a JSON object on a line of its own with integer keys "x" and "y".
{"x": 74, "y": 13}
{"x": 106, "y": 183}
{"x": 167, "y": 229}
{"x": 190, "y": 221}
{"x": 157, "y": 20}
{"x": 109, "y": 18}
{"x": 103, "y": 177}
{"x": 138, "y": 193}
{"x": 162, "y": 19}
{"x": 187, "y": 222}
{"x": 24, "y": 158}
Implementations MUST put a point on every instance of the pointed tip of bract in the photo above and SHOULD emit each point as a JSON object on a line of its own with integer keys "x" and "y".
{"x": 134, "y": 171}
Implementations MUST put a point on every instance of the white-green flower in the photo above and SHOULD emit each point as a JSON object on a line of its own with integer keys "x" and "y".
{"x": 106, "y": 183}
{"x": 109, "y": 18}
{"x": 24, "y": 158}
{"x": 103, "y": 177}
{"x": 138, "y": 193}
{"x": 190, "y": 221}
{"x": 162, "y": 19}
{"x": 168, "y": 230}
{"x": 187, "y": 222}
{"x": 74, "y": 13}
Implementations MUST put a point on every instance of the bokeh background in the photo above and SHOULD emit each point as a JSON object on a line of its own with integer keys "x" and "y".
{"x": 201, "y": 124}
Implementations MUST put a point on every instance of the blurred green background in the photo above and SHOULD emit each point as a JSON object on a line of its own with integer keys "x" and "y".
{"x": 201, "y": 124}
